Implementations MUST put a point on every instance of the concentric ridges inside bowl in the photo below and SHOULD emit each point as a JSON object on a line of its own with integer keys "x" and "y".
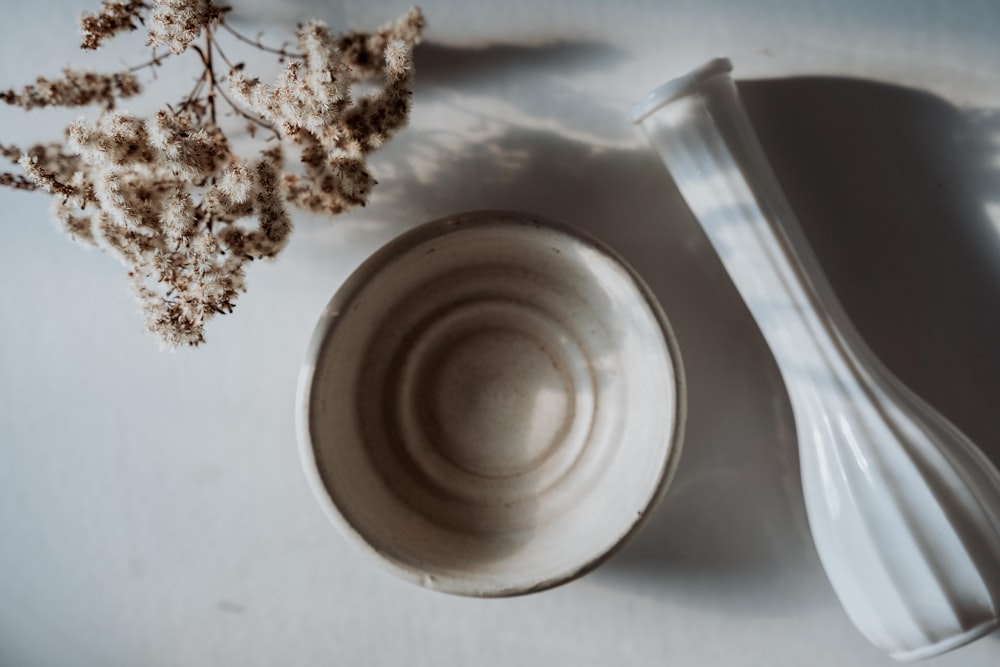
{"x": 498, "y": 406}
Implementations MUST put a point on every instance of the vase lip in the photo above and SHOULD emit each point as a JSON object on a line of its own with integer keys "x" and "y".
{"x": 679, "y": 87}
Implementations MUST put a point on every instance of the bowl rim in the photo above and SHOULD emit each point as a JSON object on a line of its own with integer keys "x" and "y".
{"x": 470, "y": 584}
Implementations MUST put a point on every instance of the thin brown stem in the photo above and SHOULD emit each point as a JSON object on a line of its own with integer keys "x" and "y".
{"x": 225, "y": 59}
{"x": 156, "y": 61}
{"x": 193, "y": 95}
{"x": 210, "y": 73}
{"x": 257, "y": 43}
{"x": 232, "y": 105}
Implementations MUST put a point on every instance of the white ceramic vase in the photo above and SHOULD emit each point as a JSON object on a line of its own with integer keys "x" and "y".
{"x": 903, "y": 508}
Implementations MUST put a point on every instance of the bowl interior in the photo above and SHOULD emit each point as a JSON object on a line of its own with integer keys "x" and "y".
{"x": 491, "y": 404}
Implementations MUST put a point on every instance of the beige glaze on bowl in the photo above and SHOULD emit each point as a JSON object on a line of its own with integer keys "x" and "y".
{"x": 491, "y": 404}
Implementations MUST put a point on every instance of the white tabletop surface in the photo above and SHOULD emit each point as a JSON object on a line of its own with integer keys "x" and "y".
{"x": 152, "y": 507}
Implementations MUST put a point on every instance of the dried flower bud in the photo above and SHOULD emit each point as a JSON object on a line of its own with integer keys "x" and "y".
{"x": 79, "y": 227}
{"x": 117, "y": 139}
{"x": 398, "y": 60}
{"x": 119, "y": 198}
{"x": 116, "y": 16}
{"x": 189, "y": 152}
{"x": 178, "y": 217}
{"x": 176, "y": 322}
{"x": 44, "y": 179}
{"x": 128, "y": 246}
{"x": 237, "y": 183}
{"x": 254, "y": 95}
{"x": 174, "y": 24}
{"x": 274, "y": 223}
{"x": 328, "y": 77}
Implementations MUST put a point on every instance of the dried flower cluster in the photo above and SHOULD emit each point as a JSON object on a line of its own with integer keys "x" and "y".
{"x": 166, "y": 194}
{"x": 176, "y": 23}
{"x": 115, "y": 17}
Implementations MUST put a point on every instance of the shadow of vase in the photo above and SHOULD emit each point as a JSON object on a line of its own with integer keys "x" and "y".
{"x": 892, "y": 187}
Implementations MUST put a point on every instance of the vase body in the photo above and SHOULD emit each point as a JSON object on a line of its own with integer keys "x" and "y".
{"x": 904, "y": 510}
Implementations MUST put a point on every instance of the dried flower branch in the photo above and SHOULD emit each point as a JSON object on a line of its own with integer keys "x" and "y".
{"x": 167, "y": 196}
{"x": 257, "y": 44}
{"x": 76, "y": 88}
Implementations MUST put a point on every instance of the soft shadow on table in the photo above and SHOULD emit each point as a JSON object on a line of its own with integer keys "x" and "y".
{"x": 506, "y": 70}
{"x": 890, "y": 185}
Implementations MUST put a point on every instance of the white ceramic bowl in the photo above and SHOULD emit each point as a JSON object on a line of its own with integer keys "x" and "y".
{"x": 491, "y": 404}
